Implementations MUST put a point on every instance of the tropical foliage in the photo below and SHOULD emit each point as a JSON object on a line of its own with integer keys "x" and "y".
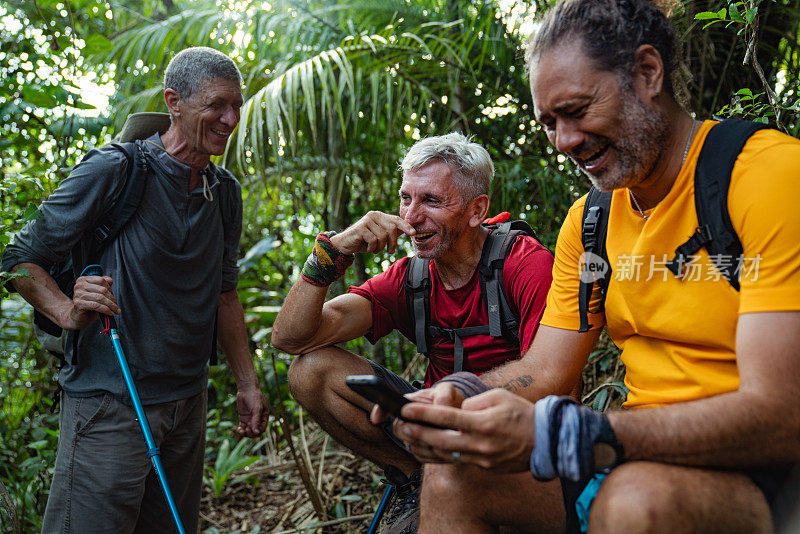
{"x": 335, "y": 91}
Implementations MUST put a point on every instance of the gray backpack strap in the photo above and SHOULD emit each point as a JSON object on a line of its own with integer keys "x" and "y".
{"x": 493, "y": 262}
{"x": 229, "y": 211}
{"x": 457, "y": 335}
{"x": 418, "y": 295}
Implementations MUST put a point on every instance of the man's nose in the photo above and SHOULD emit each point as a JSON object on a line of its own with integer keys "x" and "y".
{"x": 230, "y": 117}
{"x": 567, "y": 136}
{"x": 411, "y": 213}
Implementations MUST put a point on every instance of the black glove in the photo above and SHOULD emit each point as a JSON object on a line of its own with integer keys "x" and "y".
{"x": 566, "y": 433}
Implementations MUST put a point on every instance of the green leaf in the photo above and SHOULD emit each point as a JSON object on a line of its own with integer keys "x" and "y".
{"x": 32, "y": 212}
{"x": 706, "y": 15}
{"x": 96, "y": 44}
{"x": 33, "y": 94}
{"x": 64, "y": 42}
{"x": 736, "y": 16}
{"x": 77, "y": 104}
{"x": 600, "y": 403}
{"x": 750, "y": 14}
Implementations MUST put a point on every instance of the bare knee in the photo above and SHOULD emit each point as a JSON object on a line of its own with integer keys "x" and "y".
{"x": 458, "y": 486}
{"x": 308, "y": 375}
{"x": 653, "y": 497}
{"x": 314, "y": 376}
{"x": 631, "y": 500}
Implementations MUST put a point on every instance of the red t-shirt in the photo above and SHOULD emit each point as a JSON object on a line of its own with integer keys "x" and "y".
{"x": 527, "y": 274}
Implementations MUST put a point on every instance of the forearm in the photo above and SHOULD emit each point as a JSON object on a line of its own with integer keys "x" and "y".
{"x": 300, "y": 317}
{"x": 551, "y": 366}
{"x": 233, "y": 339}
{"x": 737, "y": 429}
{"x": 41, "y": 291}
{"x": 758, "y": 423}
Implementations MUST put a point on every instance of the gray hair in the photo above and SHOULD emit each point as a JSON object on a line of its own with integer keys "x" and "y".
{"x": 471, "y": 164}
{"x": 610, "y": 32}
{"x": 192, "y": 67}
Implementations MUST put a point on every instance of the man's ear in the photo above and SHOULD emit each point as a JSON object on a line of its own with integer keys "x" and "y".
{"x": 648, "y": 73}
{"x": 172, "y": 100}
{"x": 478, "y": 207}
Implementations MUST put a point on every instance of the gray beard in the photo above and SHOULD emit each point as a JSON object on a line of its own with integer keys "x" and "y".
{"x": 640, "y": 147}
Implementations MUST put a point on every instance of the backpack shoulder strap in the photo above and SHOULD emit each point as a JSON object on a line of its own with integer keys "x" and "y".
{"x": 418, "y": 299}
{"x": 229, "y": 207}
{"x": 712, "y": 180}
{"x": 502, "y": 319}
{"x": 129, "y": 199}
{"x": 229, "y": 202}
{"x": 491, "y": 260}
{"x": 88, "y": 250}
{"x": 593, "y": 236}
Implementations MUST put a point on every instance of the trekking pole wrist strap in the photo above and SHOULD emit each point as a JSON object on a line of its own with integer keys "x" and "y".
{"x": 568, "y": 437}
{"x": 326, "y": 263}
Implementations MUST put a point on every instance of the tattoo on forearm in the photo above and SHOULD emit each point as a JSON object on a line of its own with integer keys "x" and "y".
{"x": 519, "y": 383}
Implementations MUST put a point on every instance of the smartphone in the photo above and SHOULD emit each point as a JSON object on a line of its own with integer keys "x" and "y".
{"x": 376, "y": 390}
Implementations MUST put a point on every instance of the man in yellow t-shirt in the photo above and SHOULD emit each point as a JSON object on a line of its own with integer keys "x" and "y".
{"x": 712, "y": 435}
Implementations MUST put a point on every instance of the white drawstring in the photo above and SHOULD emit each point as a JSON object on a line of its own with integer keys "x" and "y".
{"x": 206, "y": 190}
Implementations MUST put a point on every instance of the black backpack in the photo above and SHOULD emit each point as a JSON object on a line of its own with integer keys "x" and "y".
{"x": 503, "y": 322}
{"x": 712, "y": 180}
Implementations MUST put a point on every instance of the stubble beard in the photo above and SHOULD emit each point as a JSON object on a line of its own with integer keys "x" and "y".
{"x": 447, "y": 237}
{"x": 638, "y": 149}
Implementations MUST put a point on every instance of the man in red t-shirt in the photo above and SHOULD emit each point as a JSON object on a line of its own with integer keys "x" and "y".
{"x": 443, "y": 201}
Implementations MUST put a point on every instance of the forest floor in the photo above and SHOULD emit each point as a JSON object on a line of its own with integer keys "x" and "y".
{"x": 275, "y": 497}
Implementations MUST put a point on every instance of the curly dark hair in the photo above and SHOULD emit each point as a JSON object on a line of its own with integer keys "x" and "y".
{"x": 611, "y": 31}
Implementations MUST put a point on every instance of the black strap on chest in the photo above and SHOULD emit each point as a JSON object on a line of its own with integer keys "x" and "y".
{"x": 503, "y": 322}
{"x": 595, "y": 268}
{"x": 712, "y": 179}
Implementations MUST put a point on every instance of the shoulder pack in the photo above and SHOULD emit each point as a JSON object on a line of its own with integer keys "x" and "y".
{"x": 503, "y": 322}
{"x": 715, "y": 232}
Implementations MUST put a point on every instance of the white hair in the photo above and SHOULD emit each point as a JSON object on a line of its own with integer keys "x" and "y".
{"x": 471, "y": 164}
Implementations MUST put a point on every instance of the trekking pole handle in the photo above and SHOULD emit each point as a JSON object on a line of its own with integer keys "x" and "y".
{"x": 92, "y": 270}
{"x": 96, "y": 270}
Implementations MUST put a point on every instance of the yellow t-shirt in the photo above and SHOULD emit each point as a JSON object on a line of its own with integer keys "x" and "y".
{"x": 678, "y": 335}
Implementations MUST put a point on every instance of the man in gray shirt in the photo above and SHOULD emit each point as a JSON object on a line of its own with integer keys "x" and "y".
{"x": 170, "y": 276}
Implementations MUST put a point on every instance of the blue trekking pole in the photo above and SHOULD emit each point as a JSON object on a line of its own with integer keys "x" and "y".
{"x": 152, "y": 451}
{"x": 376, "y": 519}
